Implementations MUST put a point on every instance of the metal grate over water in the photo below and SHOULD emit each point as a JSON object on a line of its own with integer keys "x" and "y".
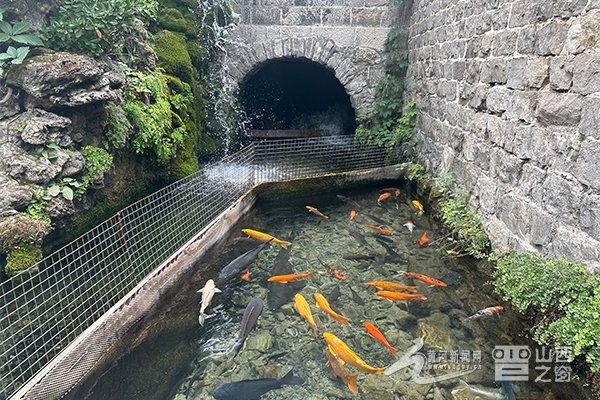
{"x": 42, "y": 311}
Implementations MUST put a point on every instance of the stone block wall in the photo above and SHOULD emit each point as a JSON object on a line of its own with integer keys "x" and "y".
{"x": 345, "y": 36}
{"x": 509, "y": 99}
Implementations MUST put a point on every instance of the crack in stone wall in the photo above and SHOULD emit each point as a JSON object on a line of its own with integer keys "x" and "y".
{"x": 509, "y": 100}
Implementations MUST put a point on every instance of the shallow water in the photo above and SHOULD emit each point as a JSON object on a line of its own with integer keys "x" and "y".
{"x": 188, "y": 361}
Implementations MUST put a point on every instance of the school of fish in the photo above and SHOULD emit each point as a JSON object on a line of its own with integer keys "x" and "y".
{"x": 284, "y": 288}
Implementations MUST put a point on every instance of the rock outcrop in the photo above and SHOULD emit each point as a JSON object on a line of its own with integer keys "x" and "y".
{"x": 48, "y": 104}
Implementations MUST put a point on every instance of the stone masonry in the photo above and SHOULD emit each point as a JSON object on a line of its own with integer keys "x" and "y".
{"x": 345, "y": 36}
{"x": 509, "y": 100}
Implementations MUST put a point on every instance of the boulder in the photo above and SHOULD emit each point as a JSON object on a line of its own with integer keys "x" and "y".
{"x": 25, "y": 167}
{"x": 39, "y": 127}
{"x": 13, "y": 195}
{"x": 19, "y": 228}
{"x": 66, "y": 79}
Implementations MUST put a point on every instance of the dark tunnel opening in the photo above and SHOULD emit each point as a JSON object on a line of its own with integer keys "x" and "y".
{"x": 296, "y": 94}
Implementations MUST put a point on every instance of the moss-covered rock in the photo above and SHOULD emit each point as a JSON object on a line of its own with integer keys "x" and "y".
{"x": 173, "y": 20}
{"x": 22, "y": 257}
{"x": 173, "y": 55}
{"x": 20, "y": 228}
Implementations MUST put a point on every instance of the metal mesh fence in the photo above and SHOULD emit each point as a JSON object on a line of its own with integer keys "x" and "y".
{"x": 43, "y": 310}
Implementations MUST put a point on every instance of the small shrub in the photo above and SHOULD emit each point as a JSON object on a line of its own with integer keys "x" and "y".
{"x": 98, "y": 26}
{"x": 565, "y": 294}
{"x": 97, "y": 162}
{"x": 464, "y": 224}
{"x": 22, "y": 257}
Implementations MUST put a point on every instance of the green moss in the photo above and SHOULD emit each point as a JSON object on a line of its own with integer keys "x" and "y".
{"x": 198, "y": 55}
{"x": 97, "y": 162}
{"x": 173, "y": 56}
{"x": 22, "y": 257}
{"x": 118, "y": 127}
{"x": 173, "y": 20}
{"x": 186, "y": 161}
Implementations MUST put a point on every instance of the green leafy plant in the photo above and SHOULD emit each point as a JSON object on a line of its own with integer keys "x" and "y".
{"x": 151, "y": 108}
{"x": 99, "y": 26}
{"x": 414, "y": 171}
{"x": 97, "y": 163}
{"x": 48, "y": 151}
{"x": 464, "y": 224}
{"x": 564, "y": 295}
{"x": 15, "y": 33}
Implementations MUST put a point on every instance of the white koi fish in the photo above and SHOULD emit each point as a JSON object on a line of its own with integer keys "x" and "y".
{"x": 208, "y": 291}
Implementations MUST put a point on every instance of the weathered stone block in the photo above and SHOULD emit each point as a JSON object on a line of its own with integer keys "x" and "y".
{"x": 517, "y": 73}
{"x": 505, "y": 43}
{"x": 576, "y": 245}
{"x": 586, "y": 73}
{"x": 336, "y": 16}
{"x": 526, "y": 40}
{"x": 520, "y": 106}
{"x": 531, "y": 183}
{"x": 584, "y": 33}
{"x": 367, "y": 16}
{"x": 550, "y": 37}
{"x": 590, "y": 117}
{"x": 562, "y": 195}
{"x": 543, "y": 225}
{"x": 494, "y": 71}
{"x": 589, "y": 214}
{"x": 486, "y": 192}
{"x": 266, "y": 15}
{"x": 561, "y": 72}
{"x": 537, "y": 71}
{"x": 586, "y": 166}
{"x": 512, "y": 210}
{"x": 506, "y": 166}
{"x": 497, "y": 99}
{"x": 559, "y": 109}
{"x": 299, "y": 16}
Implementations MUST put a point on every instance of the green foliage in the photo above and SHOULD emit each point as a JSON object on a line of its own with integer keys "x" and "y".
{"x": 464, "y": 223}
{"x": 97, "y": 163}
{"x": 15, "y": 34}
{"x": 565, "y": 294}
{"x": 414, "y": 171}
{"x": 387, "y": 126}
{"x": 22, "y": 257}
{"x": 99, "y": 26}
{"x": 173, "y": 55}
{"x": 118, "y": 127}
{"x": 173, "y": 20}
{"x": 151, "y": 109}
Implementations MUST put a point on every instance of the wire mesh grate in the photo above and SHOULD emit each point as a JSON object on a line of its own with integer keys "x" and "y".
{"x": 46, "y": 308}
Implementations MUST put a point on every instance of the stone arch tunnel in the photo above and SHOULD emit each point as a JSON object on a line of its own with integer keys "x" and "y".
{"x": 344, "y": 41}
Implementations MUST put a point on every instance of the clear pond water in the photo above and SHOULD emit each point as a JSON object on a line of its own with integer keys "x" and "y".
{"x": 182, "y": 360}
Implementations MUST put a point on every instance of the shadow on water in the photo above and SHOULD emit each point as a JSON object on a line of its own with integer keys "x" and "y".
{"x": 178, "y": 359}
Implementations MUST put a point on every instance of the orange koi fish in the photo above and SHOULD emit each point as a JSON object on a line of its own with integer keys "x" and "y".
{"x": 383, "y": 197}
{"x": 265, "y": 237}
{"x": 246, "y": 276}
{"x": 393, "y": 286}
{"x": 302, "y": 308}
{"x": 290, "y": 277}
{"x": 425, "y": 279}
{"x": 353, "y": 215}
{"x": 382, "y": 230}
{"x": 316, "y": 212}
{"x": 395, "y": 191}
{"x": 338, "y": 371}
{"x": 424, "y": 239}
{"x": 418, "y": 206}
{"x": 377, "y": 335}
{"x": 341, "y": 350}
{"x": 323, "y": 304}
{"x": 400, "y": 296}
{"x": 337, "y": 274}
{"x": 487, "y": 312}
